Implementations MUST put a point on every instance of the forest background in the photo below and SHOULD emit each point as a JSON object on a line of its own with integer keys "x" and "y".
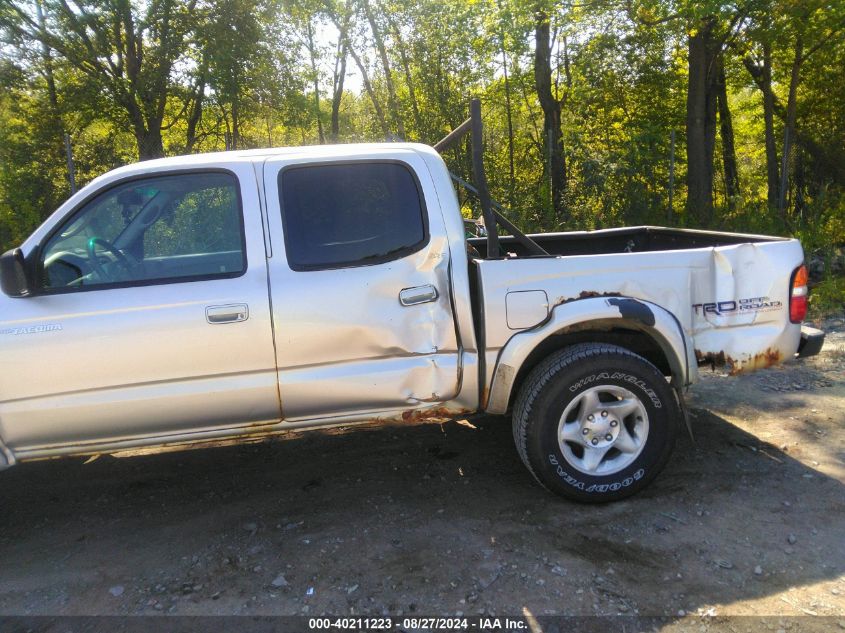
{"x": 597, "y": 113}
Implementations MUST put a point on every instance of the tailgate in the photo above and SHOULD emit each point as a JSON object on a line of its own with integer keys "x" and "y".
{"x": 740, "y": 306}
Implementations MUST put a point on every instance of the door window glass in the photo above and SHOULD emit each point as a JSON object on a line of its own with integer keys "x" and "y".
{"x": 145, "y": 231}
{"x": 352, "y": 214}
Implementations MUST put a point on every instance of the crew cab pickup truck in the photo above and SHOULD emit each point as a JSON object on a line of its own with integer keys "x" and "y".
{"x": 238, "y": 295}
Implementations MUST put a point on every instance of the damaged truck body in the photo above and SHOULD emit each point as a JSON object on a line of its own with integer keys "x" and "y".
{"x": 233, "y": 296}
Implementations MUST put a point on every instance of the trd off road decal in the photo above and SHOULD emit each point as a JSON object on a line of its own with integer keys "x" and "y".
{"x": 752, "y": 304}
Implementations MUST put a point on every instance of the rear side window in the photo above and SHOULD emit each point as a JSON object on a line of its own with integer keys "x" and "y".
{"x": 353, "y": 214}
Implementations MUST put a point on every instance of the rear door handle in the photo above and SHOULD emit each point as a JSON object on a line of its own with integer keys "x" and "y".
{"x": 232, "y": 313}
{"x": 417, "y": 295}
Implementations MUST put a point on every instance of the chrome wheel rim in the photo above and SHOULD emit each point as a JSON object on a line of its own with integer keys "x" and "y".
{"x": 603, "y": 430}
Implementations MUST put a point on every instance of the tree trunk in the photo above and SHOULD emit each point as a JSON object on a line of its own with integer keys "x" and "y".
{"x": 727, "y": 131}
{"x": 337, "y": 92}
{"x": 195, "y": 110}
{"x": 236, "y": 123}
{"x": 828, "y": 160}
{"x": 552, "y": 138}
{"x": 56, "y": 126}
{"x": 365, "y": 78}
{"x": 510, "y": 121}
{"x": 800, "y": 184}
{"x": 310, "y": 34}
{"x": 406, "y": 67}
{"x": 791, "y": 115}
{"x": 701, "y": 124}
{"x": 392, "y": 103}
{"x": 762, "y": 76}
{"x": 339, "y": 75}
{"x": 150, "y": 144}
{"x": 47, "y": 58}
{"x": 772, "y": 167}
{"x": 146, "y": 129}
{"x": 193, "y": 123}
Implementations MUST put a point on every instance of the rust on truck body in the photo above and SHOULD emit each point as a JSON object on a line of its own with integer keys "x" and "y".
{"x": 762, "y": 360}
{"x": 586, "y": 294}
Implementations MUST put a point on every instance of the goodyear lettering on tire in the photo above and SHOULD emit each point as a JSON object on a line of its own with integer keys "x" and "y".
{"x": 600, "y": 488}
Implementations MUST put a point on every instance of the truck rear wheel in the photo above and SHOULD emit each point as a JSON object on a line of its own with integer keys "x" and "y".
{"x": 595, "y": 422}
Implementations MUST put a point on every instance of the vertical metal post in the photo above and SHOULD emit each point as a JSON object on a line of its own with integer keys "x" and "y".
{"x": 71, "y": 171}
{"x": 481, "y": 179}
{"x": 550, "y": 144}
{"x": 671, "y": 210}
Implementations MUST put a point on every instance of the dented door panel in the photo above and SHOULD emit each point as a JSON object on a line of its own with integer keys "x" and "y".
{"x": 346, "y": 343}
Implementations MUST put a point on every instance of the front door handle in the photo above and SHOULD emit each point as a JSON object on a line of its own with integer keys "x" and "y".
{"x": 417, "y": 295}
{"x": 232, "y": 313}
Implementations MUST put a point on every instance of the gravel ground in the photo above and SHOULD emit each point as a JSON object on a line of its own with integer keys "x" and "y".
{"x": 443, "y": 519}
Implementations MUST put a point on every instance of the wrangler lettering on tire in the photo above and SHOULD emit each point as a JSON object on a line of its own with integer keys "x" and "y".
{"x": 595, "y": 422}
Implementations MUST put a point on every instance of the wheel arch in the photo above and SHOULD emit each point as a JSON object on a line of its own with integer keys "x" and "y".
{"x": 639, "y": 326}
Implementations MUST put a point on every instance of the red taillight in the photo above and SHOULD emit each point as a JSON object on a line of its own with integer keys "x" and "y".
{"x": 798, "y": 295}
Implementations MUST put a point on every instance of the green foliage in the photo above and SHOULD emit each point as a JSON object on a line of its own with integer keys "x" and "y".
{"x": 32, "y": 174}
{"x": 218, "y": 74}
{"x": 201, "y": 221}
{"x": 827, "y": 298}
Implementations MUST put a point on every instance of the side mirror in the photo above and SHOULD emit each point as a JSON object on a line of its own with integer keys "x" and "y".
{"x": 13, "y": 278}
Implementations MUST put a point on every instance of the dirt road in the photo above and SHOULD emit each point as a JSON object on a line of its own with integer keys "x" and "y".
{"x": 442, "y": 519}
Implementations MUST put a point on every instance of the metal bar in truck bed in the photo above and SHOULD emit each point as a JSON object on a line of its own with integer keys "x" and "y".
{"x": 481, "y": 179}
{"x": 453, "y": 137}
{"x": 521, "y": 237}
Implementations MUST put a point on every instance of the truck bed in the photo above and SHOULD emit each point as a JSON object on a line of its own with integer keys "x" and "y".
{"x": 637, "y": 239}
{"x": 728, "y": 293}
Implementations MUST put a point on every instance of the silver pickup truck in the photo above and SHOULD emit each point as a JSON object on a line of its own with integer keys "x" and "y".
{"x": 231, "y": 296}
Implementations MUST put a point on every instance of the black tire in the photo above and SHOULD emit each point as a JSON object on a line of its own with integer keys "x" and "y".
{"x": 564, "y": 379}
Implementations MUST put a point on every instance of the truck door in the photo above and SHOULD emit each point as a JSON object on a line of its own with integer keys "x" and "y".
{"x": 360, "y": 286}
{"x": 153, "y": 318}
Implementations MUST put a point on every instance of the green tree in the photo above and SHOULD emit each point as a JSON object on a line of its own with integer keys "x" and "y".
{"x": 127, "y": 50}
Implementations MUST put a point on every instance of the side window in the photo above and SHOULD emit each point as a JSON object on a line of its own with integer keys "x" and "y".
{"x": 148, "y": 230}
{"x": 350, "y": 215}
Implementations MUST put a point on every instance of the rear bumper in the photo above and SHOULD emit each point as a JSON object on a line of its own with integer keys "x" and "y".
{"x": 811, "y": 341}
